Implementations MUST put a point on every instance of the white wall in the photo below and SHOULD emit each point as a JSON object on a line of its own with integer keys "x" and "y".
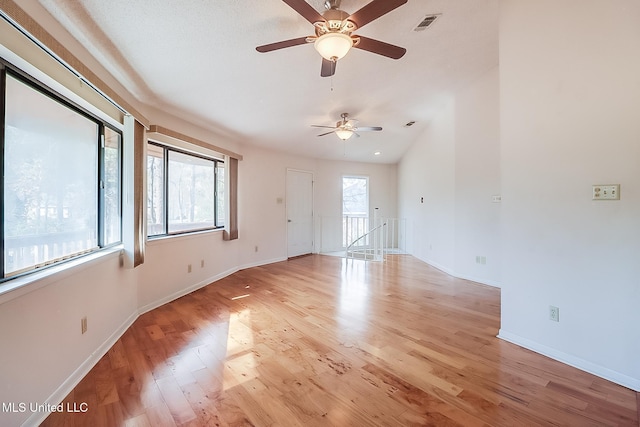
{"x": 328, "y": 196}
{"x": 41, "y": 345}
{"x": 262, "y": 179}
{"x": 164, "y": 275}
{"x": 570, "y": 98}
{"x": 426, "y": 182}
{"x": 262, "y": 220}
{"x": 477, "y": 180}
{"x": 454, "y": 166}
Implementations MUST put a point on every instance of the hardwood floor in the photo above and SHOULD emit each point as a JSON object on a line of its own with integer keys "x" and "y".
{"x": 323, "y": 341}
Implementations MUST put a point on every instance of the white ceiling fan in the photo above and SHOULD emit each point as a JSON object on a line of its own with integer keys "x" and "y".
{"x": 346, "y": 128}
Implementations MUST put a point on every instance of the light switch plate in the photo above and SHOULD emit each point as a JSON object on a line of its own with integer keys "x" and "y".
{"x": 606, "y": 192}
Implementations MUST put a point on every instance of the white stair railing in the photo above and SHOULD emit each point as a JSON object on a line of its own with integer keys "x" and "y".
{"x": 362, "y": 237}
{"x": 374, "y": 252}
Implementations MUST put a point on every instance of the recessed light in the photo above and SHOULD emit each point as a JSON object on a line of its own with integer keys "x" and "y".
{"x": 377, "y": 153}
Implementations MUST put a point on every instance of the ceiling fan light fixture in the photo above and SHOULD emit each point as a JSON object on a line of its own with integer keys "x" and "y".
{"x": 333, "y": 46}
{"x": 344, "y": 134}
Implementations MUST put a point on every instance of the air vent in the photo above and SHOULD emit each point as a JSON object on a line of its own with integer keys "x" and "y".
{"x": 409, "y": 124}
{"x": 426, "y": 22}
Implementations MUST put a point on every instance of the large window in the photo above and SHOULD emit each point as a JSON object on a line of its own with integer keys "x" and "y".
{"x": 185, "y": 192}
{"x": 61, "y": 186}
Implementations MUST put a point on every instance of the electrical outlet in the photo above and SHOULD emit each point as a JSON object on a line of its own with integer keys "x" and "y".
{"x": 554, "y": 313}
{"x": 256, "y": 248}
{"x": 201, "y": 263}
{"x": 189, "y": 268}
{"x": 83, "y": 324}
{"x": 481, "y": 260}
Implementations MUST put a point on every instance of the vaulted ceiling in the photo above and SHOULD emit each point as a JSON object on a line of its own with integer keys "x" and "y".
{"x": 196, "y": 59}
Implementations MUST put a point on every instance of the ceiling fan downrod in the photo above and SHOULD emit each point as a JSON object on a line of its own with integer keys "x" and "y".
{"x": 332, "y": 4}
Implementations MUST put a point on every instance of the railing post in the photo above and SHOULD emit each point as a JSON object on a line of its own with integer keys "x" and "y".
{"x": 345, "y": 237}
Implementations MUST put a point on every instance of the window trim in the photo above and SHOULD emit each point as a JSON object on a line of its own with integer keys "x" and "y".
{"x": 3, "y": 105}
{"x": 166, "y": 148}
{"x": 102, "y": 176}
{"x": 7, "y": 69}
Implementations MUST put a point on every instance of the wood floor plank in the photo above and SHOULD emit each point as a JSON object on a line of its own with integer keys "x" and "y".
{"x": 321, "y": 341}
{"x": 180, "y": 408}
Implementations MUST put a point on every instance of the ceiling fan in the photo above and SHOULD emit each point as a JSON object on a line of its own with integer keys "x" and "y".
{"x": 346, "y": 127}
{"x": 333, "y": 31}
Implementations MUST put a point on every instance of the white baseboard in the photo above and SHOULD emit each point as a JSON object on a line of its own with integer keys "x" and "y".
{"x": 576, "y": 362}
{"x": 453, "y": 273}
{"x": 202, "y": 284}
{"x": 72, "y": 381}
{"x": 185, "y": 291}
{"x": 69, "y": 384}
{"x": 436, "y": 265}
{"x": 260, "y": 263}
{"x": 481, "y": 281}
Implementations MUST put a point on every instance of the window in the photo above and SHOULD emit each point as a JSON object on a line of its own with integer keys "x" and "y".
{"x": 355, "y": 209}
{"x": 61, "y": 186}
{"x": 185, "y": 192}
{"x": 355, "y": 197}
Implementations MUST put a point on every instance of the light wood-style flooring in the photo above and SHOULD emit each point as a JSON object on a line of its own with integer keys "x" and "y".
{"x": 321, "y": 341}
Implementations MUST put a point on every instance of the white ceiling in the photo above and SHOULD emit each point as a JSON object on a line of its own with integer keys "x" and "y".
{"x": 197, "y": 60}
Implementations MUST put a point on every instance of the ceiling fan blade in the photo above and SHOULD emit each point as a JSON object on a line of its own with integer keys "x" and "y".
{"x": 306, "y": 10}
{"x": 381, "y": 48}
{"x": 368, "y": 128}
{"x": 328, "y": 133}
{"x": 320, "y": 126}
{"x": 281, "y": 45}
{"x": 328, "y": 68}
{"x": 374, "y": 10}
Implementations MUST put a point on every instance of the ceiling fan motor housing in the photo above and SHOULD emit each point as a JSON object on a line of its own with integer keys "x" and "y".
{"x": 335, "y": 22}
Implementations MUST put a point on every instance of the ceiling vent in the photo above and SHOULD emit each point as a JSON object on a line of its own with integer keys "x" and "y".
{"x": 426, "y": 22}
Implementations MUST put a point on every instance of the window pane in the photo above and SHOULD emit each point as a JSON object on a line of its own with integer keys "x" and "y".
{"x": 111, "y": 187}
{"x": 355, "y": 210}
{"x": 191, "y": 193}
{"x": 220, "y": 190}
{"x": 50, "y": 183}
{"x": 155, "y": 190}
{"x": 354, "y": 196}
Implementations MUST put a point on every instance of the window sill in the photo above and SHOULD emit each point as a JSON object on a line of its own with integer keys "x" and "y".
{"x": 14, "y": 288}
{"x": 166, "y": 238}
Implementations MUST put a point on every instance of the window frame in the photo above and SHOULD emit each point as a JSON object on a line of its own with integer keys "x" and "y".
{"x": 166, "y": 148}
{"x": 7, "y": 69}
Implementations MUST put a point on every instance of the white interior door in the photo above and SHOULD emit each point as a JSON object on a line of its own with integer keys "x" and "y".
{"x": 299, "y": 213}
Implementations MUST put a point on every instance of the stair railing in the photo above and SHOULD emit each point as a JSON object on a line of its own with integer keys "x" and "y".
{"x": 378, "y": 248}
